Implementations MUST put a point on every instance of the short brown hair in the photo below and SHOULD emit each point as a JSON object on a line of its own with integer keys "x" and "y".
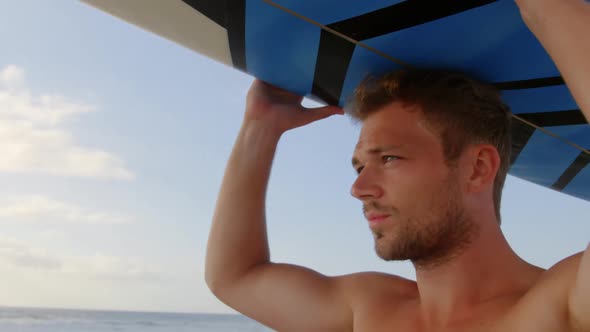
{"x": 461, "y": 109}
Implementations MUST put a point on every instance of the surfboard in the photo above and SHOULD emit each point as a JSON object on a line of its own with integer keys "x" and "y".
{"x": 324, "y": 48}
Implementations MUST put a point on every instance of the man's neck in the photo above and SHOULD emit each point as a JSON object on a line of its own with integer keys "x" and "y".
{"x": 487, "y": 270}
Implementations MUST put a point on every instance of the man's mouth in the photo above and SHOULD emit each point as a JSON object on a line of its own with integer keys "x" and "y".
{"x": 375, "y": 218}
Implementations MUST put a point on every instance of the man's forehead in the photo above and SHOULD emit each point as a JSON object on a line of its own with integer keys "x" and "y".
{"x": 378, "y": 135}
{"x": 398, "y": 128}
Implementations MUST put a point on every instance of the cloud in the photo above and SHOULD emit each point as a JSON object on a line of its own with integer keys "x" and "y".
{"x": 12, "y": 77}
{"x": 42, "y": 209}
{"x": 32, "y": 137}
{"x": 100, "y": 266}
{"x": 23, "y": 256}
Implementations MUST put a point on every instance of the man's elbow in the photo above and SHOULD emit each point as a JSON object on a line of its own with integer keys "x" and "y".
{"x": 221, "y": 281}
{"x": 215, "y": 281}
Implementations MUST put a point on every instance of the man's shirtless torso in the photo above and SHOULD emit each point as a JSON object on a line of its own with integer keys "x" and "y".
{"x": 384, "y": 302}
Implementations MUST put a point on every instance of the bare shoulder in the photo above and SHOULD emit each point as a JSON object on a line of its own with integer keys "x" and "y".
{"x": 561, "y": 275}
{"x": 379, "y": 281}
{"x": 545, "y": 303}
{"x": 554, "y": 283}
{"x": 377, "y": 299}
{"x": 368, "y": 287}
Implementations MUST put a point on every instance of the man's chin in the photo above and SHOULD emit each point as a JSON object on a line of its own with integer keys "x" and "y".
{"x": 388, "y": 256}
{"x": 384, "y": 250}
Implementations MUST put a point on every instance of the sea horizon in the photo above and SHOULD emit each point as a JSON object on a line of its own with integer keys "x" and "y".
{"x": 49, "y": 319}
{"x": 2, "y": 306}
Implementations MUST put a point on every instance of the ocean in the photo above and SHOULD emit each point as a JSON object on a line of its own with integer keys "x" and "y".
{"x": 67, "y": 320}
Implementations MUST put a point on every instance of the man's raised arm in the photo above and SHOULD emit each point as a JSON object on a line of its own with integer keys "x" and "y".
{"x": 238, "y": 267}
{"x": 562, "y": 28}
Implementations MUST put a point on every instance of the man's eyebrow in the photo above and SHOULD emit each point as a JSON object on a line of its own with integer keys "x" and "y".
{"x": 384, "y": 148}
{"x": 376, "y": 150}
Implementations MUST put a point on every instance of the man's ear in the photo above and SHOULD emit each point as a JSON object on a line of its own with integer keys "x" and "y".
{"x": 483, "y": 165}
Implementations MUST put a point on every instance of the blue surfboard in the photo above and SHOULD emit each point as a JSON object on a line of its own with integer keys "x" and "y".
{"x": 324, "y": 48}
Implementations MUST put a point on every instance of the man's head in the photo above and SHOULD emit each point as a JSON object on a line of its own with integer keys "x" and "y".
{"x": 432, "y": 141}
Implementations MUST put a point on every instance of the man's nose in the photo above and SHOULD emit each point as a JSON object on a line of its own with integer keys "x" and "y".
{"x": 366, "y": 187}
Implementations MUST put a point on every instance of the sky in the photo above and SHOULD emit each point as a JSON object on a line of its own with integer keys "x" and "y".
{"x": 113, "y": 143}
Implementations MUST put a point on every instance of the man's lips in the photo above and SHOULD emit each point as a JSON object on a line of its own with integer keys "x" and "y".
{"x": 376, "y": 218}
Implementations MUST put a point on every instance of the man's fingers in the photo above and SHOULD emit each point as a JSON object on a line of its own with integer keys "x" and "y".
{"x": 329, "y": 108}
{"x": 323, "y": 112}
{"x": 334, "y": 109}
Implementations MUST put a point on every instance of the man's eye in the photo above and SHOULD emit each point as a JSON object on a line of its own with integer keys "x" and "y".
{"x": 358, "y": 170}
{"x": 389, "y": 158}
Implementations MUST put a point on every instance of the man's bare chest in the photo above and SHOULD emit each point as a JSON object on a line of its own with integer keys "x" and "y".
{"x": 534, "y": 318}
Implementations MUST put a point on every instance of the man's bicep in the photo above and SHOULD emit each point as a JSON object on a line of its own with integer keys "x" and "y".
{"x": 579, "y": 297}
{"x": 291, "y": 298}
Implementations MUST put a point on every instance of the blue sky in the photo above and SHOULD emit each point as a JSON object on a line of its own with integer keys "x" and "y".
{"x": 113, "y": 143}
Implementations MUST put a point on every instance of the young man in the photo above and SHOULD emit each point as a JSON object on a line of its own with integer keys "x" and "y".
{"x": 430, "y": 187}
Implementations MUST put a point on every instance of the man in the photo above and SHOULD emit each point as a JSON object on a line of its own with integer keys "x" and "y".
{"x": 430, "y": 187}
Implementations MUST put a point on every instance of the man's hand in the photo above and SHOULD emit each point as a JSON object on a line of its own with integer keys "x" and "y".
{"x": 281, "y": 110}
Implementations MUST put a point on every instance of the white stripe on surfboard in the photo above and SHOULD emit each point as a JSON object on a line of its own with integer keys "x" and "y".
{"x": 173, "y": 20}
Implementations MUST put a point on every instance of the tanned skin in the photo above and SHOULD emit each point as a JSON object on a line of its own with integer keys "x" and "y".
{"x": 442, "y": 218}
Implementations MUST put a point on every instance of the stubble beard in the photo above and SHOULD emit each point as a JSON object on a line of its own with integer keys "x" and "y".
{"x": 432, "y": 239}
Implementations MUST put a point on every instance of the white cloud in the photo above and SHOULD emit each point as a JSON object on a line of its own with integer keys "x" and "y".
{"x": 102, "y": 266}
{"x": 23, "y": 256}
{"x": 33, "y": 139}
{"x": 12, "y": 77}
{"x": 43, "y": 209}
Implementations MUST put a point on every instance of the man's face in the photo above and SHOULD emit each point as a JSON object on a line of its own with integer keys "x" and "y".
{"x": 412, "y": 199}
